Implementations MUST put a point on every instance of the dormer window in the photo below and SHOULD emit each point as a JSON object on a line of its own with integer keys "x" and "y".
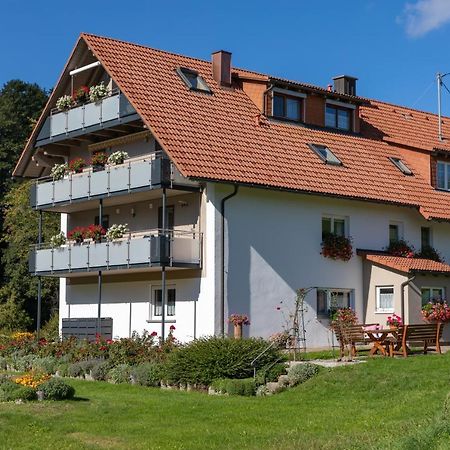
{"x": 401, "y": 166}
{"x": 339, "y": 115}
{"x": 443, "y": 175}
{"x": 287, "y": 105}
{"x": 193, "y": 80}
{"x": 325, "y": 154}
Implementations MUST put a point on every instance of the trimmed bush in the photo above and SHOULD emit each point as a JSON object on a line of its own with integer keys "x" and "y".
{"x": 206, "y": 359}
{"x": 148, "y": 374}
{"x": 119, "y": 374}
{"x": 245, "y": 386}
{"x": 11, "y": 391}
{"x": 301, "y": 372}
{"x": 57, "y": 389}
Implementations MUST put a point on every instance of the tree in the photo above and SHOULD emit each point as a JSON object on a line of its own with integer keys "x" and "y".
{"x": 20, "y": 232}
{"x": 20, "y": 106}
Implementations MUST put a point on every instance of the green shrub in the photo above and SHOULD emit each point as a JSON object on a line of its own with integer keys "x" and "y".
{"x": 206, "y": 359}
{"x": 301, "y": 372}
{"x": 23, "y": 363}
{"x": 75, "y": 369}
{"x": 63, "y": 370}
{"x": 57, "y": 389}
{"x": 50, "y": 330}
{"x": 245, "y": 386}
{"x": 148, "y": 374}
{"x": 119, "y": 374}
{"x": 48, "y": 364}
{"x": 100, "y": 370}
{"x": 3, "y": 363}
{"x": 11, "y": 391}
{"x": 263, "y": 375}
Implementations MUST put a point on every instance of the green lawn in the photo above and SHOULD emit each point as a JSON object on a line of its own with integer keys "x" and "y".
{"x": 375, "y": 405}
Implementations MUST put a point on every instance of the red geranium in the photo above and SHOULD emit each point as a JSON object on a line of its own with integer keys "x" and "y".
{"x": 337, "y": 247}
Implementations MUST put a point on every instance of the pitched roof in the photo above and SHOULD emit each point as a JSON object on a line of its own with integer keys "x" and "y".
{"x": 409, "y": 265}
{"x": 220, "y": 137}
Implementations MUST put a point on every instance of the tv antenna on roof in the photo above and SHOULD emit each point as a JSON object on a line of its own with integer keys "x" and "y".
{"x": 440, "y": 83}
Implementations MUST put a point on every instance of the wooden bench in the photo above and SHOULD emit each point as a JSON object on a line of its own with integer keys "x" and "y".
{"x": 427, "y": 334}
{"x": 352, "y": 335}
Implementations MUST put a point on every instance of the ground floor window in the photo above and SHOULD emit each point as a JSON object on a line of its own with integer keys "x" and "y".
{"x": 385, "y": 299}
{"x": 328, "y": 300}
{"x": 157, "y": 302}
{"x": 432, "y": 294}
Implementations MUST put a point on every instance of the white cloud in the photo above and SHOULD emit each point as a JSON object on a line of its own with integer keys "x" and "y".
{"x": 425, "y": 15}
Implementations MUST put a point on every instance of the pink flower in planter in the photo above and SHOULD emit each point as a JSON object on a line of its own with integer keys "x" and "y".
{"x": 172, "y": 327}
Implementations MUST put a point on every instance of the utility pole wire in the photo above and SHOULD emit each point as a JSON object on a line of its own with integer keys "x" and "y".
{"x": 423, "y": 94}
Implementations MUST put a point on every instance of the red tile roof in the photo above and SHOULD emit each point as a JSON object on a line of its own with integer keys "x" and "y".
{"x": 220, "y": 137}
{"x": 409, "y": 264}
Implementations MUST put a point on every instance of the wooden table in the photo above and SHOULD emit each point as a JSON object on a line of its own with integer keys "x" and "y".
{"x": 381, "y": 339}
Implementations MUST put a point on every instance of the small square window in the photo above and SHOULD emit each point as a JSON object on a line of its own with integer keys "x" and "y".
{"x": 170, "y": 302}
{"x": 401, "y": 166}
{"x": 329, "y": 300}
{"x": 325, "y": 154}
{"x": 286, "y": 107}
{"x": 432, "y": 294}
{"x": 333, "y": 225}
{"x": 193, "y": 80}
{"x": 338, "y": 117}
{"x": 385, "y": 299}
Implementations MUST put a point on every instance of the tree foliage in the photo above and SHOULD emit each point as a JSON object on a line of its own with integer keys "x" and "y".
{"x": 20, "y": 232}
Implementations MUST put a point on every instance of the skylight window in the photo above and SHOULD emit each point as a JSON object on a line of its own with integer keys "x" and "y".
{"x": 193, "y": 80}
{"x": 325, "y": 154}
{"x": 401, "y": 166}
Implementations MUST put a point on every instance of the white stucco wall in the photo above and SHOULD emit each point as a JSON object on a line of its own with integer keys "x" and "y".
{"x": 274, "y": 248}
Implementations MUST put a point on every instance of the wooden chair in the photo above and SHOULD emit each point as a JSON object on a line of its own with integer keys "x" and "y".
{"x": 351, "y": 335}
{"x": 427, "y": 334}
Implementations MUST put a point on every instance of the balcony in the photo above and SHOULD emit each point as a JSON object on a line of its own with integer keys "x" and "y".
{"x": 138, "y": 174}
{"x": 108, "y": 112}
{"x": 146, "y": 249}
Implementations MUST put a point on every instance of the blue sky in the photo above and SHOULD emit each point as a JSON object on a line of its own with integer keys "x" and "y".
{"x": 395, "y": 47}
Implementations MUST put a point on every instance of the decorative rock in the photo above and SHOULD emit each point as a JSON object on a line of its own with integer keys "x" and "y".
{"x": 283, "y": 380}
{"x": 274, "y": 388}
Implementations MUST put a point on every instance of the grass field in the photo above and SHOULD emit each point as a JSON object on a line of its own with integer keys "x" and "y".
{"x": 376, "y": 405}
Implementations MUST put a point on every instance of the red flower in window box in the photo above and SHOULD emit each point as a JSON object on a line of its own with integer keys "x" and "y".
{"x": 78, "y": 234}
{"x": 77, "y": 165}
{"x": 95, "y": 232}
{"x": 401, "y": 248}
{"x": 81, "y": 95}
{"x": 337, "y": 247}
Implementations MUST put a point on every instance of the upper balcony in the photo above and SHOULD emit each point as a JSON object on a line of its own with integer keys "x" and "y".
{"x": 134, "y": 175}
{"x": 108, "y": 112}
{"x": 137, "y": 250}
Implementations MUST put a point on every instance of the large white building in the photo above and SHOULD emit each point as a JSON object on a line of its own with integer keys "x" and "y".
{"x": 232, "y": 180}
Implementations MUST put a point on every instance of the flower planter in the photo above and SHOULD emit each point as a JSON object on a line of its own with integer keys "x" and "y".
{"x": 97, "y": 168}
{"x": 238, "y": 331}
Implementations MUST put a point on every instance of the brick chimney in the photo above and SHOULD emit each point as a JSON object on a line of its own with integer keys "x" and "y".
{"x": 221, "y": 67}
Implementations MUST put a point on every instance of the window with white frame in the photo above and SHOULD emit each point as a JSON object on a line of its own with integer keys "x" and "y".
{"x": 385, "y": 299}
{"x": 156, "y": 306}
{"x": 329, "y": 300}
{"x": 395, "y": 232}
{"x": 430, "y": 294}
{"x": 443, "y": 175}
{"x": 334, "y": 225}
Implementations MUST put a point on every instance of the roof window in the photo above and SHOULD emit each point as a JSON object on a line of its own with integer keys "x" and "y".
{"x": 325, "y": 154}
{"x": 401, "y": 165}
{"x": 193, "y": 80}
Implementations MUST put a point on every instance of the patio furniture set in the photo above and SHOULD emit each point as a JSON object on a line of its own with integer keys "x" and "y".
{"x": 390, "y": 341}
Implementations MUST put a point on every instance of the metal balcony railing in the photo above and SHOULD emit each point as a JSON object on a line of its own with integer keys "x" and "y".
{"x": 138, "y": 249}
{"x": 91, "y": 114}
{"x": 147, "y": 172}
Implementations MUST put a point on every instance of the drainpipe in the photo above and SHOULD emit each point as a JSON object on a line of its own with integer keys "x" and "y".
{"x": 402, "y": 290}
{"x": 222, "y": 274}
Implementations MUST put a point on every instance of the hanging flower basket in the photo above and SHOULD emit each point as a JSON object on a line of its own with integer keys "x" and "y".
{"x": 436, "y": 311}
{"x": 337, "y": 247}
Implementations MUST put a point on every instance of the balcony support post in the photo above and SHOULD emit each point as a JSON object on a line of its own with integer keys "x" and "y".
{"x": 163, "y": 269}
{"x": 99, "y": 305}
{"x": 100, "y": 212}
{"x": 39, "y": 287}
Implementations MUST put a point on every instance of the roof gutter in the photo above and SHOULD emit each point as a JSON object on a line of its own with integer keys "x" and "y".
{"x": 222, "y": 271}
